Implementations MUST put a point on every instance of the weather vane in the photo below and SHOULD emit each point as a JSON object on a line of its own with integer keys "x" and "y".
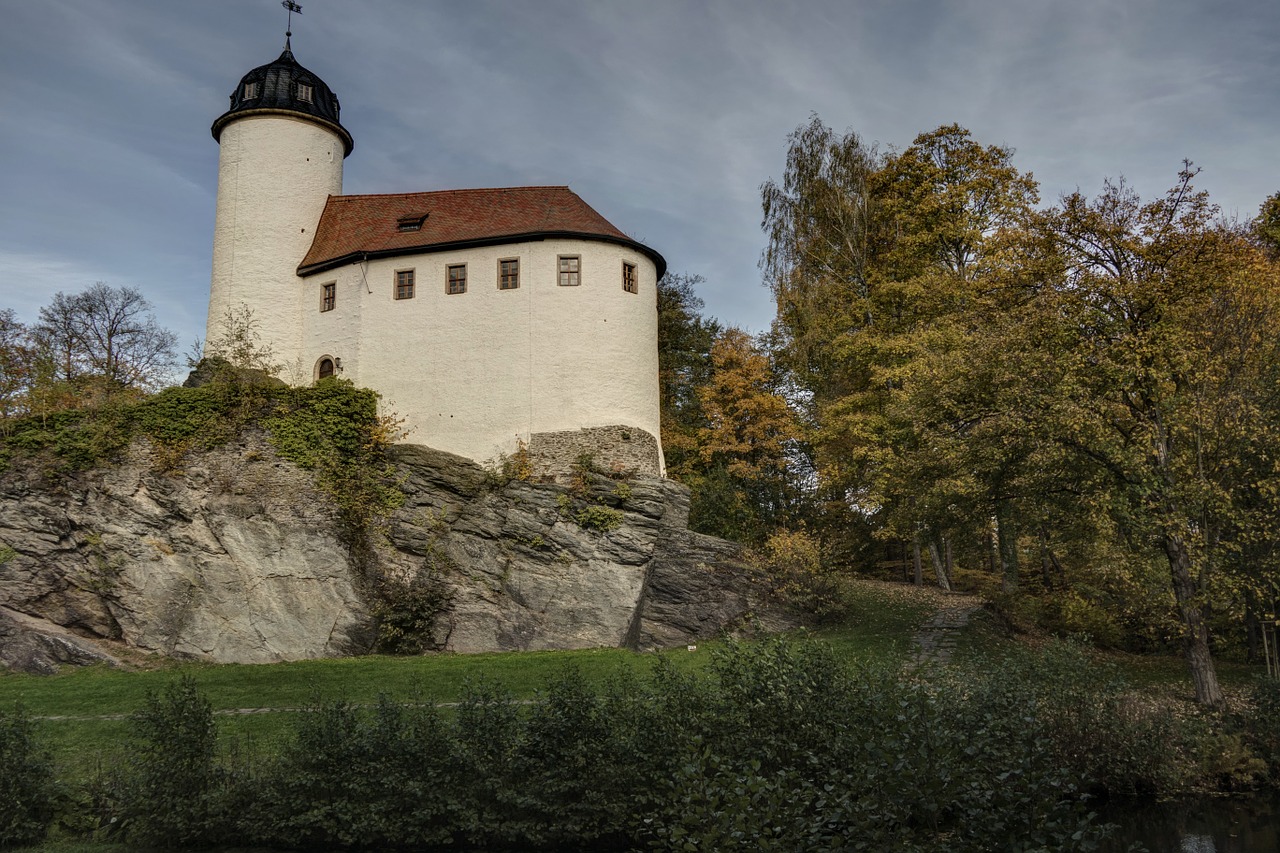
{"x": 292, "y": 7}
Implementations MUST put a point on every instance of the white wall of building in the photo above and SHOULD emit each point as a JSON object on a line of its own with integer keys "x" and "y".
{"x": 274, "y": 175}
{"x": 471, "y": 373}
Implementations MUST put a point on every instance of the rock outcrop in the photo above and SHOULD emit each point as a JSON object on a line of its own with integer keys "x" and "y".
{"x": 237, "y": 556}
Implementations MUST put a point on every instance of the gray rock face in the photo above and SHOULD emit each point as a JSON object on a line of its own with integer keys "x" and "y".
{"x": 234, "y": 558}
{"x": 38, "y": 646}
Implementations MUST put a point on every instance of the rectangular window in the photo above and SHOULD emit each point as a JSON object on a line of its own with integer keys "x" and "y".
{"x": 508, "y": 274}
{"x": 629, "y": 278}
{"x": 250, "y": 91}
{"x": 404, "y": 284}
{"x": 328, "y": 295}
{"x": 570, "y": 270}
{"x": 304, "y": 92}
{"x": 456, "y": 281}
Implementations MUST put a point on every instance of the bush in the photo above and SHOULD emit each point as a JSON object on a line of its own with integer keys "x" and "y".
{"x": 790, "y": 562}
{"x": 173, "y": 790}
{"x": 26, "y": 781}
{"x": 1262, "y": 725}
{"x": 354, "y": 779}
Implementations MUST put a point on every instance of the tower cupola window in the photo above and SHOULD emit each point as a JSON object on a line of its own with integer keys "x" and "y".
{"x": 304, "y": 92}
{"x": 251, "y": 91}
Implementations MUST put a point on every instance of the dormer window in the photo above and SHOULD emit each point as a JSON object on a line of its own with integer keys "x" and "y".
{"x": 304, "y": 92}
{"x": 410, "y": 223}
{"x": 250, "y": 91}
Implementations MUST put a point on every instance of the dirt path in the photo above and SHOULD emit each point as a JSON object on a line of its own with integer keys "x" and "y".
{"x": 935, "y": 641}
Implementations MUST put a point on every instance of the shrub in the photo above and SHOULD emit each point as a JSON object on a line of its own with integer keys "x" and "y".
{"x": 26, "y": 781}
{"x": 384, "y": 779}
{"x": 790, "y": 562}
{"x": 173, "y": 788}
{"x": 407, "y": 613}
{"x": 1262, "y": 724}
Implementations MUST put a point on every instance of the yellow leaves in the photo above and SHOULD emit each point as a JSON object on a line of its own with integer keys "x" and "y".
{"x": 748, "y": 424}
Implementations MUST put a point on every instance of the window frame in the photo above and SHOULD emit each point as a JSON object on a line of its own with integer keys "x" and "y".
{"x": 399, "y": 284}
{"x": 504, "y": 276}
{"x": 304, "y": 92}
{"x": 328, "y": 296}
{"x": 561, "y": 272}
{"x": 252, "y": 90}
{"x": 630, "y": 277}
{"x": 452, "y": 286}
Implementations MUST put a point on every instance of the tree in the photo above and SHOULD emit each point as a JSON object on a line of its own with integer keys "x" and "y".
{"x": 1161, "y": 330}
{"x": 685, "y": 339}
{"x": 744, "y": 449}
{"x": 1267, "y": 226}
{"x": 16, "y": 365}
{"x": 104, "y": 338}
{"x": 726, "y": 432}
{"x": 879, "y": 266}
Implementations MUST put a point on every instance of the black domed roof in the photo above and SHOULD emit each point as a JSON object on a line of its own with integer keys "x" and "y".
{"x": 284, "y": 86}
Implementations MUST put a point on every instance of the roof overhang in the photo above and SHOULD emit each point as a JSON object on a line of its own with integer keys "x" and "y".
{"x": 659, "y": 262}
{"x": 235, "y": 115}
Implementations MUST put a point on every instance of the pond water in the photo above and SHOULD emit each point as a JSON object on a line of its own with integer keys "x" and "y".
{"x": 1249, "y": 825}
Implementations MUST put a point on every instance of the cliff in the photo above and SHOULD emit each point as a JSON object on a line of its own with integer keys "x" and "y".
{"x": 237, "y": 555}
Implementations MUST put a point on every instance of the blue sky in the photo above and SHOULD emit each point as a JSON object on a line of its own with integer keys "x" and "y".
{"x": 665, "y": 115}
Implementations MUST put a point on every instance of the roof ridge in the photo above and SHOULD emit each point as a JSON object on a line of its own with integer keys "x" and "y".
{"x": 354, "y": 196}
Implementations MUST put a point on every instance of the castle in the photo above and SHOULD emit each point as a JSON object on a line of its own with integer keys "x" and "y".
{"x": 488, "y": 319}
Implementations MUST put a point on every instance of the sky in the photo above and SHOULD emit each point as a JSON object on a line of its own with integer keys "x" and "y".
{"x": 664, "y": 115}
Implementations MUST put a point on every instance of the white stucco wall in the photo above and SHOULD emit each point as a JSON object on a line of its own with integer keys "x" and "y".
{"x": 274, "y": 176}
{"x": 472, "y": 372}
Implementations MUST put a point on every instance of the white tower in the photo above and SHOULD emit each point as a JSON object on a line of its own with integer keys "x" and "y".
{"x": 281, "y": 149}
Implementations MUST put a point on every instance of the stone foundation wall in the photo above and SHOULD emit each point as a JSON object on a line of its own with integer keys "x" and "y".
{"x": 614, "y": 449}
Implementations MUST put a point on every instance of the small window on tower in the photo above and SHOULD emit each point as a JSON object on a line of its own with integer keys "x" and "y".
{"x": 325, "y": 369}
{"x": 250, "y": 91}
{"x": 304, "y": 92}
{"x": 456, "y": 281}
{"x": 509, "y": 274}
{"x": 570, "y": 270}
{"x": 629, "y": 278}
{"x": 328, "y": 295}
{"x": 404, "y": 284}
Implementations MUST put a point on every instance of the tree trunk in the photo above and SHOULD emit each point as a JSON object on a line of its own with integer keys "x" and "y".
{"x": 1007, "y": 542}
{"x": 1252, "y": 628}
{"x": 938, "y": 568}
{"x": 1047, "y": 560}
{"x": 915, "y": 556}
{"x": 1195, "y": 637}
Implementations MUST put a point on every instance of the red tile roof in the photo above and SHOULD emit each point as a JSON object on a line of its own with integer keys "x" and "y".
{"x": 353, "y": 227}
